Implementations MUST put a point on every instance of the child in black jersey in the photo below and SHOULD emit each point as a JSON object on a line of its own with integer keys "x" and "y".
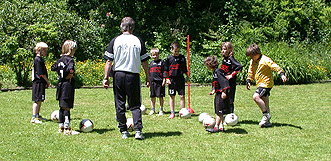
{"x": 221, "y": 88}
{"x": 39, "y": 81}
{"x": 156, "y": 80}
{"x": 65, "y": 68}
{"x": 230, "y": 67}
{"x": 175, "y": 67}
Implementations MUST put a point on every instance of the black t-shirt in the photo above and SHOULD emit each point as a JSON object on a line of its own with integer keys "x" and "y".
{"x": 220, "y": 83}
{"x": 156, "y": 70}
{"x": 175, "y": 65}
{"x": 38, "y": 70}
{"x": 64, "y": 66}
{"x": 230, "y": 66}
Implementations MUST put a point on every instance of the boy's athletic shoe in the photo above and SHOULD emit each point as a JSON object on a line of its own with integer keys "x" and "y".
{"x": 266, "y": 117}
{"x": 160, "y": 113}
{"x": 171, "y": 116}
{"x": 139, "y": 135}
{"x": 213, "y": 130}
{"x": 70, "y": 131}
{"x": 125, "y": 134}
{"x": 36, "y": 121}
{"x": 151, "y": 113}
{"x": 267, "y": 124}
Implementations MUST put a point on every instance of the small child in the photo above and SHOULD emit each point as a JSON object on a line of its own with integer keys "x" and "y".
{"x": 65, "y": 68}
{"x": 221, "y": 87}
{"x": 156, "y": 80}
{"x": 260, "y": 69}
{"x": 39, "y": 81}
{"x": 175, "y": 67}
{"x": 230, "y": 67}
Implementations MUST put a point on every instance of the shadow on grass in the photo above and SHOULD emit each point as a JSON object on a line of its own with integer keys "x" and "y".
{"x": 236, "y": 131}
{"x": 101, "y": 131}
{"x": 273, "y": 124}
{"x": 162, "y": 134}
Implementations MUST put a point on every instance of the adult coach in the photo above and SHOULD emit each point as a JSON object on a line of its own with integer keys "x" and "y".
{"x": 127, "y": 52}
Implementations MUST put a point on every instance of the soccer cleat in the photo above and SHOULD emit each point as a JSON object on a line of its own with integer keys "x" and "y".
{"x": 266, "y": 117}
{"x": 36, "y": 121}
{"x": 125, "y": 134}
{"x": 151, "y": 113}
{"x": 139, "y": 135}
{"x": 214, "y": 130}
{"x": 172, "y": 116}
{"x": 69, "y": 131}
{"x": 267, "y": 124}
{"x": 61, "y": 129}
{"x": 160, "y": 113}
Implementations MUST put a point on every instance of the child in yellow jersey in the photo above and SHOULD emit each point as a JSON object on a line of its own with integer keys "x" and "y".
{"x": 260, "y": 69}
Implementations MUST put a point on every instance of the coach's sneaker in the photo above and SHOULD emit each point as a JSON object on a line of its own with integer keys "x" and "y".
{"x": 213, "y": 130}
{"x": 139, "y": 135}
{"x": 172, "y": 116}
{"x": 267, "y": 124}
{"x": 69, "y": 131}
{"x": 125, "y": 134}
{"x": 160, "y": 113}
{"x": 35, "y": 120}
{"x": 266, "y": 117}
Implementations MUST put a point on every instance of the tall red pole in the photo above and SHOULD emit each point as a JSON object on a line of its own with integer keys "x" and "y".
{"x": 188, "y": 75}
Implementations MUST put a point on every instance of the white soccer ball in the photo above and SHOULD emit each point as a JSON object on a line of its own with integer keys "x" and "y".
{"x": 209, "y": 122}
{"x": 55, "y": 116}
{"x": 184, "y": 113}
{"x": 143, "y": 109}
{"x": 86, "y": 125}
{"x": 231, "y": 119}
{"x": 129, "y": 124}
{"x": 202, "y": 116}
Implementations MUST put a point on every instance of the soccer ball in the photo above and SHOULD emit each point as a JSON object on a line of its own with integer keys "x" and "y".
{"x": 184, "y": 113}
{"x": 86, "y": 125}
{"x": 143, "y": 109}
{"x": 129, "y": 124}
{"x": 202, "y": 116}
{"x": 55, "y": 116}
{"x": 209, "y": 122}
{"x": 231, "y": 119}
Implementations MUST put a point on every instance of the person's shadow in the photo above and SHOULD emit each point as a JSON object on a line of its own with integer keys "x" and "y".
{"x": 276, "y": 124}
{"x": 162, "y": 134}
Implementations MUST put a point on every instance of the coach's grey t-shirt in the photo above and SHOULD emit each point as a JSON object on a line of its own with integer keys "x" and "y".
{"x": 127, "y": 52}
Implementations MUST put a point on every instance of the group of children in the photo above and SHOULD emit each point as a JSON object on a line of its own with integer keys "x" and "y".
{"x": 65, "y": 67}
{"x": 169, "y": 71}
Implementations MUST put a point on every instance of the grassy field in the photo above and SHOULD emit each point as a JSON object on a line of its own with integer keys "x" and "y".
{"x": 300, "y": 115}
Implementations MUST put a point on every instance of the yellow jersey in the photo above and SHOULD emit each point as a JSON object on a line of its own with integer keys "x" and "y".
{"x": 260, "y": 70}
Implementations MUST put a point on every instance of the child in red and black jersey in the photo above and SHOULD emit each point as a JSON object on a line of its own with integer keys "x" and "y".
{"x": 230, "y": 67}
{"x": 221, "y": 87}
{"x": 175, "y": 67}
{"x": 156, "y": 81}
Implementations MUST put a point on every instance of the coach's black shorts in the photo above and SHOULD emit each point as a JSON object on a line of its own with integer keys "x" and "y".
{"x": 222, "y": 106}
{"x": 263, "y": 92}
{"x": 156, "y": 89}
{"x": 177, "y": 84}
{"x": 38, "y": 91}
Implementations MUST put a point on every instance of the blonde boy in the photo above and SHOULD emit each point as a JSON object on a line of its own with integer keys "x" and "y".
{"x": 39, "y": 81}
{"x": 260, "y": 69}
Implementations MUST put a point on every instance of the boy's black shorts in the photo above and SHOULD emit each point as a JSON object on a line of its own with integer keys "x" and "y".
{"x": 38, "y": 91}
{"x": 66, "y": 103}
{"x": 222, "y": 106}
{"x": 263, "y": 92}
{"x": 156, "y": 89}
{"x": 177, "y": 84}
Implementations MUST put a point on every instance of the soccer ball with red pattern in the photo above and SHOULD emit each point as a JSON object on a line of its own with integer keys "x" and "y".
{"x": 86, "y": 125}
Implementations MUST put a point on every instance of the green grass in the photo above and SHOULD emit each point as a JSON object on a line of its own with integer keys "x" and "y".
{"x": 300, "y": 116}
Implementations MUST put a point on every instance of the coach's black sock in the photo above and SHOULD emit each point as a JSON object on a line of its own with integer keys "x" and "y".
{"x": 265, "y": 112}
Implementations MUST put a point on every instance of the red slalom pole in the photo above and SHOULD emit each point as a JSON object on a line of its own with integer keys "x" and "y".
{"x": 188, "y": 75}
